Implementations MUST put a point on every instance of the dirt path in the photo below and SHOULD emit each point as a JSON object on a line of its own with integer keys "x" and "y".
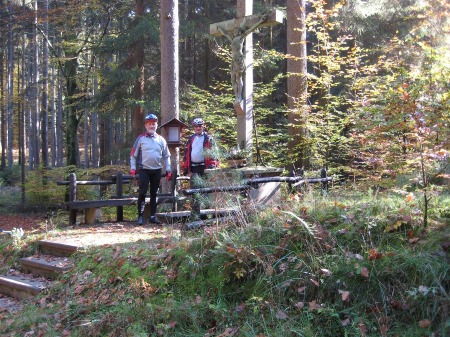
{"x": 87, "y": 235}
{"x": 111, "y": 233}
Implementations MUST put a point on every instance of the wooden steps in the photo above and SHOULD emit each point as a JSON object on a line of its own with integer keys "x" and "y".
{"x": 56, "y": 248}
{"x": 22, "y": 285}
{"x": 48, "y": 266}
{"x": 208, "y": 222}
{"x": 37, "y": 272}
{"x": 183, "y": 216}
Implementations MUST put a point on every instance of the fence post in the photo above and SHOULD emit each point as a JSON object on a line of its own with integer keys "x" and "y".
{"x": 173, "y": 189}
{"x": 72, "y": 197}
{"x": 119, "y": 191}
{"x": 323, "y": 175}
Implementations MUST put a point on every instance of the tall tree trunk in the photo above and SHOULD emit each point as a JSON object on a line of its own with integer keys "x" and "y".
{"x": 297, "y": 81}
{"x": 86, "y": 135}
{"x": 36, "y": 105}
{"x": 207, "y": 50}
{"x": 54, "y": 84}
{"x": 138, "y": 61}
{"x": 22, "y": 129}
{"x": 169, "y": 26}
{"x": 59, "y": 120}
{"x": 102, "y": 134}
{"x": 94, "y": 128}
{"x": 72, "y": 122}
{"x": 106, "y": 127}
{"x": 3, "y": 141}
{"x": 169, "y": 60}
{"x": 109, "y": 140}
{"x": 44, "y": 125}
{"x": 118, "y": 138}
{"x": 25, "y": 107}
{"x": 31, "y": 136}
{"x": 206, "y": 63}
{"x": 189, "y": 45}
{"x": 86, "y": 156}
{"x": 10, "y": 88}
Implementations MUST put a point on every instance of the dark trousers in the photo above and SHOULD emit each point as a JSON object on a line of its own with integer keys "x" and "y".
{"x": 146, "y": 177}
{"x": 197, "y": 181}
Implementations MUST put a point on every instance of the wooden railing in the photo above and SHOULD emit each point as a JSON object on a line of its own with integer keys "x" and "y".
{"x": 118, "y": 201}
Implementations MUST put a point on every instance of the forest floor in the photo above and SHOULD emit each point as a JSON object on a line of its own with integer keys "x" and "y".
{"x": 82, "y": 235}
{"x": 29, "y": 222}
{"x": 190, "y": 267}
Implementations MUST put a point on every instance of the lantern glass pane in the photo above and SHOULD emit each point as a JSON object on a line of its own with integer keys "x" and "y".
{"x": 173, "y": 134}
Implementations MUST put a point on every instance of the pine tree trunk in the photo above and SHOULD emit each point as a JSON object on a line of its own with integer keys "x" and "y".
{"x": 44, "y": 126}
{"x": 170, "y": 108}
{"x": 2, "y": 113}
{"x": 94, "y": 131}
{"x": 10, "y": 89}
{"x": 36, "y": 113}
{"x": 138, "y": 61}
{"x": 59, "y": 121}
{"x": 71, "y": 106}
{"x": 297, "y": 84}
{"x": 53, "y": 119}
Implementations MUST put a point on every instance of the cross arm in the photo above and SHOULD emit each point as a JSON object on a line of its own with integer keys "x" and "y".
{"x": 275, "y": 17}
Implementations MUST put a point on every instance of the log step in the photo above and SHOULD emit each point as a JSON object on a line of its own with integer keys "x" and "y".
{"x": 37, "y": 270}
{"x": 57, "y": 248}
{"x": 209, "y": 222}
{"x": 45, "y": 265}
{"x": 179, "y": 216}
{"x": 22, "y": 285}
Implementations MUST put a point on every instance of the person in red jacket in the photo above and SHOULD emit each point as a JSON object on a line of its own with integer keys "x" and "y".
{"x": 198, "y": 156}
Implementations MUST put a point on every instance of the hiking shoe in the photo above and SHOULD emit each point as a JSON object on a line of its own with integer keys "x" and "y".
{"x": 140, "y": 221}
{"x": 155, "y": 220}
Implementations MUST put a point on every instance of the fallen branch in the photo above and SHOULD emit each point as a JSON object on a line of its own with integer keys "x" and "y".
{"x": 312, "y": 180}
{"x": 207, "y": 190}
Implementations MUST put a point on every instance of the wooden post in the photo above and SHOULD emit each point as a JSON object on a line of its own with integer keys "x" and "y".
{"x": 72, "y": 197}
{"x": 244, "y": 110}
{"x": 244, "y": 104}
{"x": 323, "y": 175}
{"x": 173, "y": 189}
{"x": 119, "y": 191}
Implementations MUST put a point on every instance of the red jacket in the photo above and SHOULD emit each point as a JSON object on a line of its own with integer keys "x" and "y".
{"x": 208, "y": 143}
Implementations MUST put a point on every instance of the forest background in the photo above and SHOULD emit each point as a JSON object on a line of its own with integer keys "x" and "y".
{"x": 78, "y": 76}
{"x": 370, "y": 258}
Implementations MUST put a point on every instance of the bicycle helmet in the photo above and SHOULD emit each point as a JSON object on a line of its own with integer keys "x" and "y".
{"x": 198, "y": 121}
{"x": 151, "y": 117}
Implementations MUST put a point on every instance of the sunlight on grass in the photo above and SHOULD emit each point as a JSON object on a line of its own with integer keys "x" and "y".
{"x": 351, "y": 263}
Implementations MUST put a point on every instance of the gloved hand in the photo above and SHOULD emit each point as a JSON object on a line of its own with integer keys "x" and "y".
{"x": 185, "y": 172}
{"x": 132, "y": 173}
{"x": 212, "y": 166}
{"x": 169, "y": 176}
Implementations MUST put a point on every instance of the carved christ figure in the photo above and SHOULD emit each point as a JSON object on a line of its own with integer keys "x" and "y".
{"x": 237, "y": 49}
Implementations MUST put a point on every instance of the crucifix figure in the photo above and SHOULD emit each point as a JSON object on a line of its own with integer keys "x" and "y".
{"x": 237, "y": 49}
{"x": 238, "y": 32}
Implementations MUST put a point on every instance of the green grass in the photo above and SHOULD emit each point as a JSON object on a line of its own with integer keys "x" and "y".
{"x": 9, "y": 199}
{"x": 353, "y": 263}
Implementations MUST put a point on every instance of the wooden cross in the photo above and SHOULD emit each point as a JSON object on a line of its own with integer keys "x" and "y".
{"x": 244, "y": 92}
